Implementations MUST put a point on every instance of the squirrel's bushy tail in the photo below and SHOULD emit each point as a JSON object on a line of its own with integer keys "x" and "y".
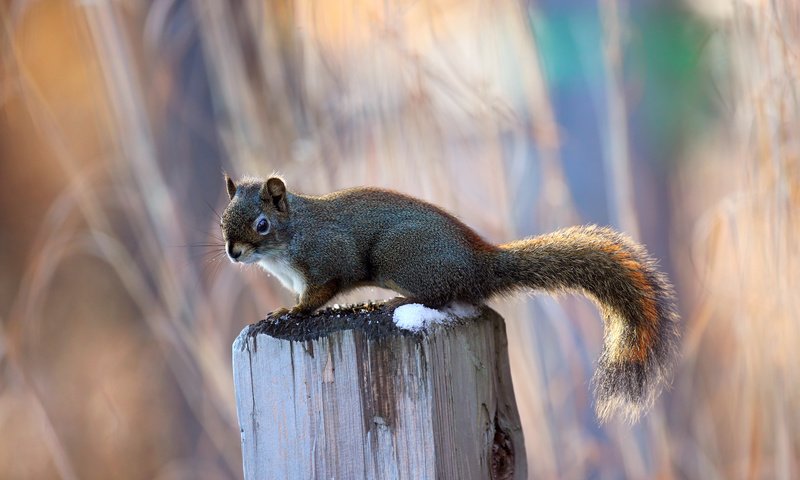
{"x": 636, "y": 301}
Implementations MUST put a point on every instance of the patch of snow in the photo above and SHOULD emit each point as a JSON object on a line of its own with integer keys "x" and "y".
{"x": 415, "y": 317}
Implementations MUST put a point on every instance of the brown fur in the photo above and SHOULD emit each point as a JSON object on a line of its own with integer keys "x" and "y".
{"x": 367, "y": 236}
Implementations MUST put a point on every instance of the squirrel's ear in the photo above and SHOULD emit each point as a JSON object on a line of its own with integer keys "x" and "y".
{"x": 274, "y": 191}
{"x": 230, "y": 186}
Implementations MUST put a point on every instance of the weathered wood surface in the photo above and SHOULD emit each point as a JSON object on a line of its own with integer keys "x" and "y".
{"x": 346, "y": 395}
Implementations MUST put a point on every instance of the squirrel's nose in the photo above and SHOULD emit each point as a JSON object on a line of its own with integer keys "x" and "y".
{"x": 234, "y": 253}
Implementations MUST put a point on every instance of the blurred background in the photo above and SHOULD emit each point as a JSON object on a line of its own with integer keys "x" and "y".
{"x": 675, "y": 121}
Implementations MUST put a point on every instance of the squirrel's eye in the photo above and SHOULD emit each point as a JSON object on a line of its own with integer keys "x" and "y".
{"x": 262, "y": 227}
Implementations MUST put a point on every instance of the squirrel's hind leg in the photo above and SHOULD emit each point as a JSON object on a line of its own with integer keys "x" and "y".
{"x": 430, "y": 301}
{"x": 396, "y": 302}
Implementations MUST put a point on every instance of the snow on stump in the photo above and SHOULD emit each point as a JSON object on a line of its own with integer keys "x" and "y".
{"x": 346, "y": 393}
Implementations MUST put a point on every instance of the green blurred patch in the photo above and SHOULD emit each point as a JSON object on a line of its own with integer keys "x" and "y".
{"x": 666, "y": 53}
{"x": 568, "y": 59}
{"x": 666, "y": 80}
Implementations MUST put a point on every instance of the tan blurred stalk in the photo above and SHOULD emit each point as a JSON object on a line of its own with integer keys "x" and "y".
{"x": 619, "y": 183}
{"x": 160, "y": 230}
{"x": 741, "y": 355}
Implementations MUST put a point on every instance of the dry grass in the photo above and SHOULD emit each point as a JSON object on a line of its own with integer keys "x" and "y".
{"x": 117, "y": 313}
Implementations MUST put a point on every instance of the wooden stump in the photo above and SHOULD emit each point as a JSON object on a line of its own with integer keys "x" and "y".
{"x": 346, "y": 395}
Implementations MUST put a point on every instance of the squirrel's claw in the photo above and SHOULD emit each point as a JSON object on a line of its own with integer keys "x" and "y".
{"x": 276, "y": 314}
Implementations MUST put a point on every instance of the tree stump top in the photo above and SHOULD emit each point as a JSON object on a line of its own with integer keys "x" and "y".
{"x": 375, "y": 320}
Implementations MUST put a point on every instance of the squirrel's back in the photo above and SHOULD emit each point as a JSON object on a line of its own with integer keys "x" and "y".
{"x": 373, "y": 210}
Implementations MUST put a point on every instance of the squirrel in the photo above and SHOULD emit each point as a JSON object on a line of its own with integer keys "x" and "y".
{"x": 321, "y": 246}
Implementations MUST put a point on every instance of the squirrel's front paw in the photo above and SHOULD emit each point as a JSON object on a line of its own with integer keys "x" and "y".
{"x": 276, "y": 314}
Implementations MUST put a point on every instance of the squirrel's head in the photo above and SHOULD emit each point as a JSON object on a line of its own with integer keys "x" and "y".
{"x": 255, "y": 222}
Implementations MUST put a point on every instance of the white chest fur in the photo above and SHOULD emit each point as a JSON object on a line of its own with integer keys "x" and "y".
{"x": 284, "y": 271}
